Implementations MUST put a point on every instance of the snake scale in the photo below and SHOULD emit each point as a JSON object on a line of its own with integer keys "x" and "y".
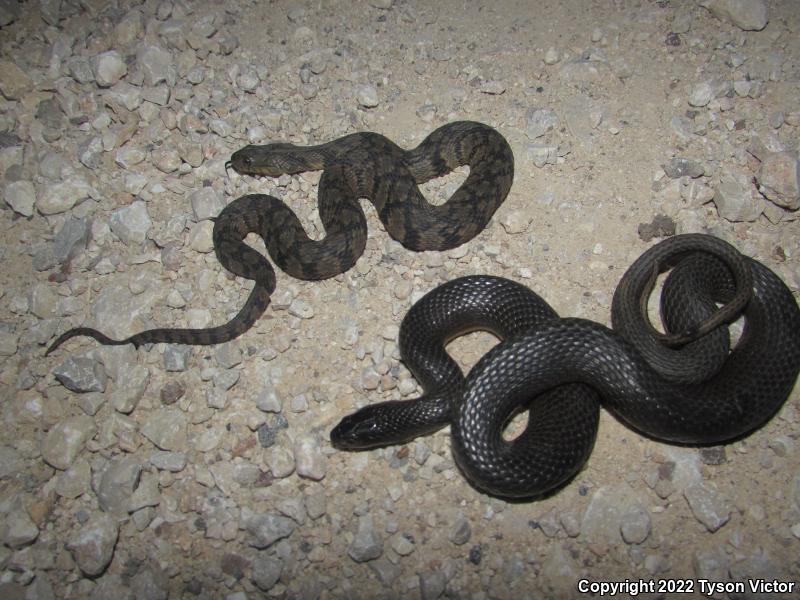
{"x": 685, "y": 386}
{"x": 360, "y": 165}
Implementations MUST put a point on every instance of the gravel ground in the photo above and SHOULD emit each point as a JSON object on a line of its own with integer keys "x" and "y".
{"x": 206, "y": 472}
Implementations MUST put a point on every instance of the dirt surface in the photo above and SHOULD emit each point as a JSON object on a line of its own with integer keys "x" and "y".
{"x": 207, "y": 472}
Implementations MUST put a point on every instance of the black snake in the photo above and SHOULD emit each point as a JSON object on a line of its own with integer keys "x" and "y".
{"x": 685, "y": 386}
{"x": 361, "y": 165}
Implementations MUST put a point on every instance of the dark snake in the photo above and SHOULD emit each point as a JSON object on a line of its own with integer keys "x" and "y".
{"x": 361, "y": 165}
{"x": 685, "y": 386}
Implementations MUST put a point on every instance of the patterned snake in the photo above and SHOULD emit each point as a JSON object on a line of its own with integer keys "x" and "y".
{"x": 686, "y": 386}
{"x": 361, "y": 165}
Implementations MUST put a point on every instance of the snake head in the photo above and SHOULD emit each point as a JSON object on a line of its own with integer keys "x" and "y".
{"x": 360, "y": 431}
{"x": 272, "y": 160}
{"x": 385, "y": 424}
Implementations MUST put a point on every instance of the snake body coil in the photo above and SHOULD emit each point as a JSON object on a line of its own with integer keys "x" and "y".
{"x": 361, "y": 165}
{"x": 683, "y": 386}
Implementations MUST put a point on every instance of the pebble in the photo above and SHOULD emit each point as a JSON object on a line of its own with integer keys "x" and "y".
{"x": 18, "y": 530}
{"x": 126, "y": 398}
{"x": 779, "y": 179}
{"x": 147, "y": 494}
{"x": 571, "y": 524}
{"x": 166, "y": 428}
{"x": 655, "y": 563}
{"x": 367, "y": 96}
{"x": 81, "y": 374}
{"x": 75, "y": 481}
{"x": 9, "y": 12}
{"x": 493, "y": 87}
{"x": 696, "y": 193}
{"x": 10, "y": 462}
{"x": 758, "y": 564}
{"x": 461, "y": 532}
{"x": 607, "y": 512}
{"x": 172, "y": 392}
{"x": 92, "y": 547}
{"x": 108, "y": 68}
{"x": 710, "y": 564}
{"x": 21, "y": 197}
{"x": 131, "y": 223}
{"x": 782, "y": 446}
{"x": 370, "y": 379}
{"x": 551, "y": 56}
{"x": 516, "y": 221}
{"x": 14, "y": 82}
{"x": 247, "y": 81}
{"x": 427, "y": 112}
{"x": 156, "y": 65}
{"x": 682, "y": 22}
{"x": 702, "y": 93}
{"x": 206, "y": 203}
{"x": 281, "y": 462}
{"x": 401, "y": 544}
{"x": 713, "y": 455}
{"x": 90, "y": 403}
{"x": 117, "y": 483}
{"x": 316, "y": 505}
{"x": 367, "y": 544}
{"x": 679, "y": 167}
{"x": 201, "y": 238}
{"x": 432, "y": 584}
{"x": 8, "y": 344}
{"x": 223, "y": 381}
{"x": 311, "y": 463}
{"x": 735, "y": 201}
{"x": 660, "y": 226}
{"x": 176, "y": 357}
{"x": 71, "y": 239}
{"x": 173, "y": 462}
{"x": 707, "y": 505}
{"x": 65, "y": 440}
{"x": 558, "y": 570}
{"x": 636, "y": 525}
{"x": 542, "y": 154}
{"x": 539, "y": 121}
{"x": 43, "y": 305}
{"x": 548, "y": 524}
{"x": 61, "y": 197}
{"x": 403, "y": 289}
{"x": 266, "y": 571}
{"x": 749, "y": 15}
{"x": 266, "y": 529}
{"x": 150, "y": 583}
{"x": 301, "y": 308}
{"x": 386, "y": 571}
{"x": 268, "y": 401}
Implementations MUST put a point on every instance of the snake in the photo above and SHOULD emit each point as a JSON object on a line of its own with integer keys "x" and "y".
{"x": 359, "y": 165}
{"x": 689, "y": 384}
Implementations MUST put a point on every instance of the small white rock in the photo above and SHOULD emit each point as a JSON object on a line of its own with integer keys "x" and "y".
{"x": 109, "y": 68}
{"x": 552, "y": 56}
{"x": 301, "y": 308}
{"x": 21, "y": 196}
{"x": 701, "y": 94}
{"x": 367, "y": 96}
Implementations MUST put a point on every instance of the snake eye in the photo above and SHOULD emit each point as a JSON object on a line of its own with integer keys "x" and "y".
{"x": 366, "y": 429}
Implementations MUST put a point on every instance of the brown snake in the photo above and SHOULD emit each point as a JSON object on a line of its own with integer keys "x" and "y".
{"x": 360, "y": 165}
